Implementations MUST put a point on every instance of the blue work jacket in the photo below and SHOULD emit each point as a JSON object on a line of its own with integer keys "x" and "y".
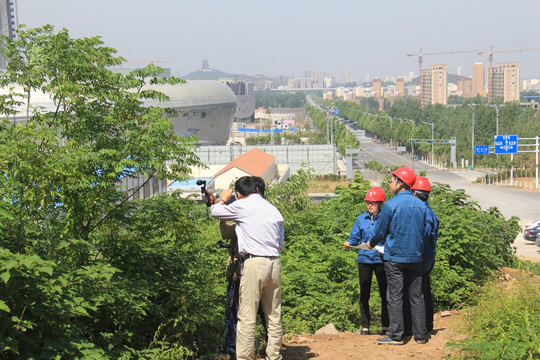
{"x": 362, "y": 232}
{"x": 401, "y": 224}
{"x": 430, "y": 243}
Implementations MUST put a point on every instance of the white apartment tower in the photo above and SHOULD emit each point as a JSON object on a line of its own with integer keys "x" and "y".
{"x": 434, "y": 85}
{"x": 506, "y": 81}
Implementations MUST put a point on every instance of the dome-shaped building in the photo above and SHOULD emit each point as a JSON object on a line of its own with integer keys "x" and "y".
{"x": 205, "y": 108}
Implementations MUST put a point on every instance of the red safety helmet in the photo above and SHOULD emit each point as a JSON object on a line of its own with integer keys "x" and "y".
{"x": 421, "y": 183}
{"x": 375, "y": 194}
{"x": 406, "y": 175}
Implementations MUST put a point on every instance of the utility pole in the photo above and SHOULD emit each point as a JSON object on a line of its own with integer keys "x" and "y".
{"x": 497, "y": 108}
{"x": 432, "y": 142}
{"x": 473, "y": 106}
{"x": 260, "y": 120}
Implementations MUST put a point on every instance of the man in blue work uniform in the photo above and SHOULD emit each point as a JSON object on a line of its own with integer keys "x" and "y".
{"x": 401, "y": 226}
{"x": 421, "y": 189}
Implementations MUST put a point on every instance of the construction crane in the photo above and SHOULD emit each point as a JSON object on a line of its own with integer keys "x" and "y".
{"x": 420, "y": 55}
{"x": 490, "y": 74}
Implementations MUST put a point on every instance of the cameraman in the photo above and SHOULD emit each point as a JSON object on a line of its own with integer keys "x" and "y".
{"x": 260, "y": 231}
{"x": 234, "y": 264}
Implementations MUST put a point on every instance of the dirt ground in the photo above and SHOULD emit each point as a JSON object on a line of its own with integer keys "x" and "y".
{"x": 350, "y": 346}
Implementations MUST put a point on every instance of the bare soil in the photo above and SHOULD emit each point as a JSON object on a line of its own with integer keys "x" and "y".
{"x": 352, "y": 346}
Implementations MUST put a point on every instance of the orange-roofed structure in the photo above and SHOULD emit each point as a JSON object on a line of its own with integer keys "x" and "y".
{"x": 253, "y": 163}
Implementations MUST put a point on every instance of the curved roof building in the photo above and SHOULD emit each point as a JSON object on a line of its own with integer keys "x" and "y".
{"x": 205, "y": 108}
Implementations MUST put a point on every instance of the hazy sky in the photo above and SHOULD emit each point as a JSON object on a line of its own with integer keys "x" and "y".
{"x": 276, "y": 37}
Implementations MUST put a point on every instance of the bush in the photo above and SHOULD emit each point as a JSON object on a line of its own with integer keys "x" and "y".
{"x": 505, "y": 322}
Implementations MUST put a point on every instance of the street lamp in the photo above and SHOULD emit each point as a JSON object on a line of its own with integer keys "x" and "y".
{"x": 472, "y": 149}
{"x": 432, "y": 142}
{"x": 411, "y": 141}
{"x": 327, "y": 129}
{"x": 260, "y": 120}
{"x": 497, "y": 108}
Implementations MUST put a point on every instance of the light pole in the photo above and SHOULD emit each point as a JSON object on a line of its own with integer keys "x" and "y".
{"x": 332, "y": 127}
{"x": 260, "y": 120}
{"x": 432, "y": 142}
{"x": 327, "y": 130}
{"x": 472, "y": 149}
{"x": 497, "y": 108}
{"x": 411, "y": 141}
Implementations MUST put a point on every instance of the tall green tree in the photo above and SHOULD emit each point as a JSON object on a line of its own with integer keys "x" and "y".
{"x": 60, "y": 275}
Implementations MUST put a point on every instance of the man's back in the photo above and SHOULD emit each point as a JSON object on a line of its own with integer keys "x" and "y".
{"x": 259, "y": 225}
{"x": 403, "y": 218}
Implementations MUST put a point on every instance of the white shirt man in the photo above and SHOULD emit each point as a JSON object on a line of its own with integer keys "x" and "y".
{"x": 260, "y": 232}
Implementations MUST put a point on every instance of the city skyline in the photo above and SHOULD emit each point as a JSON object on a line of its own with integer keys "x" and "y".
{"x": 291, "y": 37}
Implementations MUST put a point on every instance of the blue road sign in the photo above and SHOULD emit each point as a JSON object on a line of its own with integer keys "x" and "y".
{"x": 481, "y": 149}
{"x": 336, "y": 112}
{"x": 506, "y": 144}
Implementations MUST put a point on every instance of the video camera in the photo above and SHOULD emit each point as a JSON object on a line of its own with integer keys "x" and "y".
{"x": 204, "y": 192}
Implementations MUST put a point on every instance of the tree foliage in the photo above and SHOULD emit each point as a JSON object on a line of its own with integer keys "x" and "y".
{"x": 405, "y": 120}
{"x": 86, "y": 274}
{"x": 74, "y": 282}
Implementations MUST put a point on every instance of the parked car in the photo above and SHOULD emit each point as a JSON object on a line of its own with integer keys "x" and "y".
{"x": 531, "y": 230}
{"x": 537, "y": 242}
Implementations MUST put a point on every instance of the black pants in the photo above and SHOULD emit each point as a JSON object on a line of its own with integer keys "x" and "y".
{"x": 365, "y": 274}
{"x": 428, "y": 297}
{"x": 428, "y": 302}
{"x": 401, "y": 276}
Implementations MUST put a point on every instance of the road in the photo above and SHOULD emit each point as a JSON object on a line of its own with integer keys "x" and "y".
{"x": 510, "y": 201}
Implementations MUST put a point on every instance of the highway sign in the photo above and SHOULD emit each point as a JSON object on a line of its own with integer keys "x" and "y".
{"x": 481, "y": 149}
{"x": 506, "y": 144}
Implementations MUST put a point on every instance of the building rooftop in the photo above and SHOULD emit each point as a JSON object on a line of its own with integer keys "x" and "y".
{"x": 255, "y": 162}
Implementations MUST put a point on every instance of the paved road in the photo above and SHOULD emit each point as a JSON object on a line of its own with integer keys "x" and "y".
{"x": 510, "y": 201}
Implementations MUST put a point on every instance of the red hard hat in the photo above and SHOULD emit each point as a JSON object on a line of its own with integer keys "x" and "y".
{"x": 405, "y": 174}
{"x": 375, "y": 194}
{"x": 421, "y": 183}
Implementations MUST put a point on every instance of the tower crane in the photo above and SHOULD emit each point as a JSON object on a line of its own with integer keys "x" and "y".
{"x": 435, "y": 53}
{"x": 490, "y": 75}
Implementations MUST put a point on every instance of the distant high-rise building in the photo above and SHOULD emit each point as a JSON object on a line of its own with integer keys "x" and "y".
{"x": 505, "y": 79}
{"x": 458, "y": 70}
{"x": 465, "y": 86}
{"x": 478, "y": 80}
{"x": 377, "y": 87}
{"x": 434, "y": 85}
{"x": 400, "y": 87}
{"x": 245, "y": 98}
{"x": 8, "y": 22}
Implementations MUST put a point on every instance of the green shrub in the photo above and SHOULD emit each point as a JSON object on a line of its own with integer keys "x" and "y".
{"x": 505, "y": 322}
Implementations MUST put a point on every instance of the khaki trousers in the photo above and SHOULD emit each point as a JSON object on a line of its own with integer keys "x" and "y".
{"x": 260, "y": 283}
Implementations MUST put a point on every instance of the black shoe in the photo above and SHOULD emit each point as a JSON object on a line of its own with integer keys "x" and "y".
{"x": 421, "y": 341}
{"x": 364, "y": 332}
{"x": 389, "y": 341}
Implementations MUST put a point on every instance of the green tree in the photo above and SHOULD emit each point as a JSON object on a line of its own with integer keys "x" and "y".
{"x": 63, "y": 284}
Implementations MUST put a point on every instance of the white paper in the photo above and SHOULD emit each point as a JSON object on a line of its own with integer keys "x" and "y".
{"x": 361, "y": 246}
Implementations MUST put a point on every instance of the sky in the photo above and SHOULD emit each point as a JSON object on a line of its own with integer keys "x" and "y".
{"x": 281, "y": 37}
